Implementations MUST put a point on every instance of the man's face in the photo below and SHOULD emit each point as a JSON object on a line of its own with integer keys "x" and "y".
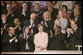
{"x": 49, "y": 4}
{"x": 12, "y": 31}
{"x": 73, "y": 25}
{"x": 37, "y": 7}
{"x": 24, "y": 5}
{"x": 76, "y": 12}
{"x": 16, "y": 21}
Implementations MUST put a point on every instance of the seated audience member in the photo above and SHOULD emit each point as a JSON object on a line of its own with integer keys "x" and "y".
{"x": 62, "y": 22}
{"x": 26, "y": 41}
{"x": 17, "y": 26}
{"x": 10, "y": 41}
{"x": 41, "y": 39}
{"x": 24, "y": 13}
{"x": 52, "y": 11}
{"x": 58, "y": 40}
{"x": 74, "y": 35}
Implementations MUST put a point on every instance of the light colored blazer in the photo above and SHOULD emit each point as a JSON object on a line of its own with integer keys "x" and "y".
{"x": 41, "y": 39}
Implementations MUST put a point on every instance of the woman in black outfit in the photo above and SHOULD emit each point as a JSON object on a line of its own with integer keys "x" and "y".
{"x": 58, "y": 40}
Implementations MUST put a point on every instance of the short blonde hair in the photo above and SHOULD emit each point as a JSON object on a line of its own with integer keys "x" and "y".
{"x": 46, "y": 13}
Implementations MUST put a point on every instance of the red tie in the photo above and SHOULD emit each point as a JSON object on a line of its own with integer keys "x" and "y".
{"x": 31, "y": 30}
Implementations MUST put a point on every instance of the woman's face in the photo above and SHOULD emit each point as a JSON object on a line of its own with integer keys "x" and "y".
{"x": 60, "y": 14}
{"x": 64, "y": 9}
{"x": 46, "y": 16}
{"x": 40, "y": 28}
{"x": 27, "y": 30}
{"x": 9, "y": 7}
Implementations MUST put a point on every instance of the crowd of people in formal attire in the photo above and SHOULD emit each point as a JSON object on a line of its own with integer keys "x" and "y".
{"x": 31, "y": 26}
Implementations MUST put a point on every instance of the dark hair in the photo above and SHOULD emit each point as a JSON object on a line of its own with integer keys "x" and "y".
{"x": 77, "y": 23}
{"x": 3, "y": 14}
{"x": 24, "y": 2}
{"x": 59, "y": 29}
{"x": 65, "y": 7}
{"x": 40, "y": 25}
{"x": 37, "y": 4}
{"x": 50, "y": 2}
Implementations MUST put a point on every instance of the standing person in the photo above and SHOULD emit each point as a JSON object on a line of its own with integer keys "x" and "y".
{"x": 41, "y": 39}
{"x": 48, "y": 26}
{"x": 77, "y": 17}
{"x": 32, "y": 24}
{"x": 74, "y": 35}
{"x": 58, "y": 40}
{"x": 17, "y": 26}
{"x": 10, "y": 41}
{"x": 24, "y": 13}
{"x": 26, "y": 41}
{"x": 38, "y": 11}
{"x": 66, "y": 14}
{"x": 62, "y": 22}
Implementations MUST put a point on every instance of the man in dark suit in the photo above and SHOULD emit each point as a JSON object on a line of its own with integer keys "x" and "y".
{"x": 10, "y": 41}
{"x": 24, "y": 13}
{"x": 32, "y": 24}
{"x": 17, "y": 26}
{"x": 74, "y": 35}
{"x": 38, "y": 11}
{"x": 77, "y": 17}
{"x": 26, "y": 41}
